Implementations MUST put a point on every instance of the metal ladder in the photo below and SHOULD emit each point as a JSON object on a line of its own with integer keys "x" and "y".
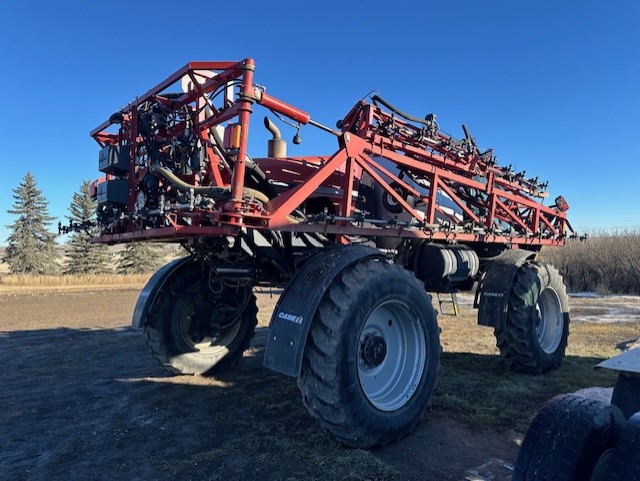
{"x": 453, "y": 302}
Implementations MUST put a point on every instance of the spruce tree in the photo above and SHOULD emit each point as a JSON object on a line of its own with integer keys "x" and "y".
{"x": 139, "y": 258}
{"x": 31, "y": 247}
{"x": 84, "y": 257}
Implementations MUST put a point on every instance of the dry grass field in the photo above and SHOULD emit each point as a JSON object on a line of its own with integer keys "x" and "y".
{"x": 605, "y": 262}
{"x": 83, "y": 399}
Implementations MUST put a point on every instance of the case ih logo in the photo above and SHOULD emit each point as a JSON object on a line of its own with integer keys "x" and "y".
{"x": 493, "y": 294}
{"x": 290, "y": 317}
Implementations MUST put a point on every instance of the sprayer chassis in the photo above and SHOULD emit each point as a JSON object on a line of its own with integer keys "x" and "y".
{"x": 356, "y": 238}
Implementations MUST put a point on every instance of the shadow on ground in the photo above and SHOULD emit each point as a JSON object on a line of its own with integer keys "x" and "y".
{"x": 93, "y": 404}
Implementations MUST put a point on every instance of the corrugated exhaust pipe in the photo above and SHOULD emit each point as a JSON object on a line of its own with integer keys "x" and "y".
{"x": 276, "y": 147}
{"x": 218, "y": 193}
{"x": 221, "y": 193}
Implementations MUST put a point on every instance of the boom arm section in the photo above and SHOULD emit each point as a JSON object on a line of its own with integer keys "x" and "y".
{"x": 491, "y": 199}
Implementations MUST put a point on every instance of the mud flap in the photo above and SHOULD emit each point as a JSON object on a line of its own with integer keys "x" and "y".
{"x": 148, "y": 295}
{"x": 297, "y": 306}
{"x": 496, "y": 286}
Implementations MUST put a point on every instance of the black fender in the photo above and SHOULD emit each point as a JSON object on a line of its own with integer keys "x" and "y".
{"x": 150, "y": 291}
{"x": 292, "y": 317}
{"x": 493, "y": 299}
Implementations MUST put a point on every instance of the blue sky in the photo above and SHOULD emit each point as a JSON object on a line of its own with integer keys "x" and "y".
{"x": 553, "y": 86}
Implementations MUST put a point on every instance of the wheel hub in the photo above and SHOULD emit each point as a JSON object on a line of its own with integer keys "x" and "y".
{"x": 373, "y": 350}
{"x": 391, "y": 354}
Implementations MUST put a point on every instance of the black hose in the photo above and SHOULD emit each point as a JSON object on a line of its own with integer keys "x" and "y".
{"x": 376, "y": 98}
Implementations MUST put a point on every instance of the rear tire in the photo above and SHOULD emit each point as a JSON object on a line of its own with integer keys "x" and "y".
{"x": 570, "y": 439}
{"x": 625, "y": 465}
{"x": 534, "y": 338}
{"x": 168, "y": 326}
{"x": 372, "y": 355}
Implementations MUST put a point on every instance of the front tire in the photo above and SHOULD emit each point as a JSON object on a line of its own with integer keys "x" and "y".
{"x": 535, "y": 336}
{"x": 372, "y": 356}
{"x": 227, "y": 316}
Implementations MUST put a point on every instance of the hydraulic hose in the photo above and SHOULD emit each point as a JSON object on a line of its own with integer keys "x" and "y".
{"x": 376, "y": 98}
{"x": 219, "y": 193}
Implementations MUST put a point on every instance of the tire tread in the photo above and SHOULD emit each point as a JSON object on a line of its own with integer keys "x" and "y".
{"x": 331, "y": 404}
{"x": 516, "y": 340}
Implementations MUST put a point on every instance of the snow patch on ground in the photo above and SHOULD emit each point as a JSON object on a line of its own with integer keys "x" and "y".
{"x": 585, "y": 306}
{"x": 605, "y": 309}
{"x": 585, "y": 295}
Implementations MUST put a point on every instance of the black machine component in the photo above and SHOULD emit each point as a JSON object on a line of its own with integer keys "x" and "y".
{"x": 626, "y": 393}
{"x": 113, "y": 192}
{"x": 114, "y": 159}
{"x": 445, "y": 268}
{"x": 181, "y": 151}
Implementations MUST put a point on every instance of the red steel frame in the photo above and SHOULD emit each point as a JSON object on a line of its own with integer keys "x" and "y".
{"x": 485, "y": 194}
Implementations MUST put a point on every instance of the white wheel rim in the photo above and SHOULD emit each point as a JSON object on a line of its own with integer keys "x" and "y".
{"x": 391, "y": 355}
{"x": 549, "y": 320}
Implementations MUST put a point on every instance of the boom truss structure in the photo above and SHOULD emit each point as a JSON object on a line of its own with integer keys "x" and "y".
{"x": 177, "y": 167}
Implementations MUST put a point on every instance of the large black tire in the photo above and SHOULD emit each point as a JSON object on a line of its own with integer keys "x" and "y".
{"x": 569, "y": 439}
{"x": 625, "y": 465}
{"x": 534, "y": 338}
{"x": 372, "y": 356}
{"x": 167, "y": 328}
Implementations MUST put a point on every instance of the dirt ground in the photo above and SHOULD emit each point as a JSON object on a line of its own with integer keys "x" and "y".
{"x": 83, "y": 399}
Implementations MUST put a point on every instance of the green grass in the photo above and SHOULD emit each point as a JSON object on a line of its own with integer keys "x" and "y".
{"x": 269, "y": 433}
{"x": 479, "y": 391}
{"x": 476, "y": 387}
